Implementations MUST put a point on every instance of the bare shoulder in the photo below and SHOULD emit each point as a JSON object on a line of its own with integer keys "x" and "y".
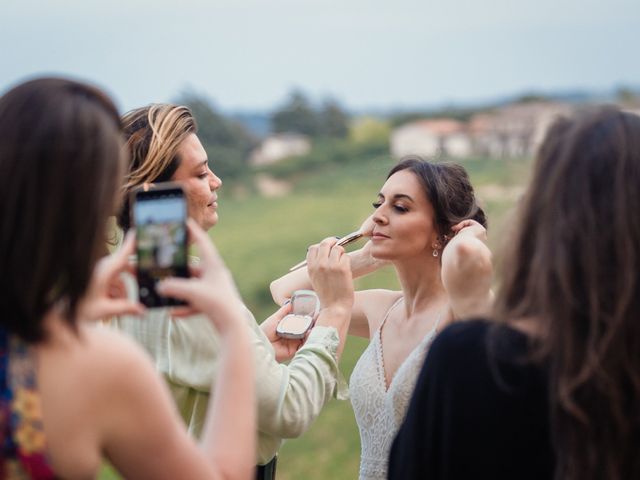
{"x": 108, "y": 343}
{"x": 105, "y": 372}
{"x": 115, "y": 355}
{"x": 375, "y": 304}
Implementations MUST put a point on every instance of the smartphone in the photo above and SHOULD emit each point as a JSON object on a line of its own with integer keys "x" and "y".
{"x": 159, "y": 213}
{"x": 305, "y": 307}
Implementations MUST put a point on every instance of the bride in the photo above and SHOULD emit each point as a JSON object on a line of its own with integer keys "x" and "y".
{"x": 427, "y": 224}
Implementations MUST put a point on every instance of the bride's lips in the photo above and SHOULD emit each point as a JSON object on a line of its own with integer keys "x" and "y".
{"x": 213, "y": 203}
{"x": 379, "y": 236}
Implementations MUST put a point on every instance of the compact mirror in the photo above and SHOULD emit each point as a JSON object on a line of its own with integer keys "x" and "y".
{"x": 305, "y": 307}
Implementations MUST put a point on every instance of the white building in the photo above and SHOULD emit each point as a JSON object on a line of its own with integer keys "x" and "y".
{"x": 441, "y": 136}
{"x": 515, "y": 130}
{"x": 278, "y": 147}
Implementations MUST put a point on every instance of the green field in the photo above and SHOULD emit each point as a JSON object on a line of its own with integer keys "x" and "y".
{"x": 260, "y": 238}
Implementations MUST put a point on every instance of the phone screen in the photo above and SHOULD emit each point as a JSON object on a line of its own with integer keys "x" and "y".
{"x": 161, "y": 236}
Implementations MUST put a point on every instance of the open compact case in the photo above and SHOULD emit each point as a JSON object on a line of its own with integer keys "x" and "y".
{"x": 305, "y": 307}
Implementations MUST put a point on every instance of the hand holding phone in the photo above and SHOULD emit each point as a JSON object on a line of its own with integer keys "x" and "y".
{"x": 305, "y": 307}
{"x": 159, "y": 215}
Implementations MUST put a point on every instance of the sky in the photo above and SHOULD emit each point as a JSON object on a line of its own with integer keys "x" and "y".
{"x": 368, "y": 54}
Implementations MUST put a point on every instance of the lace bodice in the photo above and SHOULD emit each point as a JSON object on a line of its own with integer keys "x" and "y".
{"x": 380, "y": 411}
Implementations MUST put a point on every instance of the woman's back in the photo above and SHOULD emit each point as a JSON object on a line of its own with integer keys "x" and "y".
{"x": 89, "y": 387}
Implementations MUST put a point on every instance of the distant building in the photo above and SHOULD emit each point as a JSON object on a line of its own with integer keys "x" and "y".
{"x": 632, "y": 109}
{"x": 515, "y": 130}
{"x": 440, "y": 136}
{"x": 278, "y": 147}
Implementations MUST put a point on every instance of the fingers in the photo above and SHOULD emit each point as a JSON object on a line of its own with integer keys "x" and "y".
{"x": 182, "y": 311}
{"x": 325, "y": 247}
{"x": 271, "y": 323}
{"x": 459, "y": 226}
{"x": 282, "y": 312}
{"x": 195, "y": 271}
{"x": 117, "y": 289}
{"x": 119, "y": 261}
{"x": 122, "y": 307}
{"x": 179, "y": 288}
{"x": 128, "y": 248}
{"x": 345, "y": 262}
{"x": 336, "y": 253}
{"x": 473, "y": 226}
{"x": 208, "y": 253}
{"x": 319, "y": 252}
{"x": 128, "y": 245}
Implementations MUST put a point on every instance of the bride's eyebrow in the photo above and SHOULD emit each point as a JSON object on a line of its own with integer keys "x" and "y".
{"x": 397, "y": 196}
{"x": 402, "y": 196}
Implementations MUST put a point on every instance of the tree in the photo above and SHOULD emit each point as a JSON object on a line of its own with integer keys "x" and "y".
{"x": 370, "y": 130}
{"x": 626, "y": 95}
{"x": 296, "y": 115}
{"x": 226, "y": 142}
{"x": 334, "y": 121}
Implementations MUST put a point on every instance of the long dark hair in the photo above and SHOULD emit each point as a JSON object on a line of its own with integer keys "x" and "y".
{"x": 60, "y": 171}
{"x": 574, "y": 266}
{"x": 448, "y": 188}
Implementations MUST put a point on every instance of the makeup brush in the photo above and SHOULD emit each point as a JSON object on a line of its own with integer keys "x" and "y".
{"x": 346, "y": 240}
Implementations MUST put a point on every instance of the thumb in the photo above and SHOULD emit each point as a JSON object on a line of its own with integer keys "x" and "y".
{"x": 280, "y": 313}
{"x": 120, "y": 307}
{"x": 175, "y": 287}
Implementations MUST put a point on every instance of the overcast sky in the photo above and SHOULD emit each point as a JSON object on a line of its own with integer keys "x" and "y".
{"x": 247, "y": 54}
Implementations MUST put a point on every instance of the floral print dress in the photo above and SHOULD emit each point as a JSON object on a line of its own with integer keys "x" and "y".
{"x": 22, "y": 440}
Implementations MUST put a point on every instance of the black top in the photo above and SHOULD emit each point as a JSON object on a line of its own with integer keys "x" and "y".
{"x": 479, "y": 410}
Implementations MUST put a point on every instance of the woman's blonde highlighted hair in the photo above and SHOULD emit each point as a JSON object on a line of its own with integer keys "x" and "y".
{"x": 153, "y": 136}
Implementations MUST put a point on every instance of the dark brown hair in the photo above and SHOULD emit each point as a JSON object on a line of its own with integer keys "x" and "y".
{"x": 60, "y": 171}
{"x": 574, "y": 266}
{"x": 448, "y": 189}
{"x": 153, "y": 135}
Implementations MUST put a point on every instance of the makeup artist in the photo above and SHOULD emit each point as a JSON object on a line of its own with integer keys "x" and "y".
{"x": 163, "y": 145}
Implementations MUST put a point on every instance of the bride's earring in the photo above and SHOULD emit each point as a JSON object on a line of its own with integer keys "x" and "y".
{"x": 435, "y": 252}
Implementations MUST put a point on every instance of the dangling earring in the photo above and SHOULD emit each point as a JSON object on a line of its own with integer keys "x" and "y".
{"x": 435, "y": 252}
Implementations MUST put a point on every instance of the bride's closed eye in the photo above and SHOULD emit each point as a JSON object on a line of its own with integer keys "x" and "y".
{"x": 400, "y": 208}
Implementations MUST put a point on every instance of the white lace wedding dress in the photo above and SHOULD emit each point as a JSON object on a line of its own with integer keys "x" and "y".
{"x": 380, "y": 411}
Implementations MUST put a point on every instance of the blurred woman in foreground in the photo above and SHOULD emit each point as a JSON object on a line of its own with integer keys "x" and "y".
{"x": 73, "y": 394}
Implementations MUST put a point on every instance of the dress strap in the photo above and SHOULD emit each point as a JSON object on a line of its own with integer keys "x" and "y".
{"x": 386, "y": 315}
{"x": 440, "y": 317}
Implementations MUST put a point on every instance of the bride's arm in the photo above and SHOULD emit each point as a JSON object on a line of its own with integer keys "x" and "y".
{"x": 467, "y": 270}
